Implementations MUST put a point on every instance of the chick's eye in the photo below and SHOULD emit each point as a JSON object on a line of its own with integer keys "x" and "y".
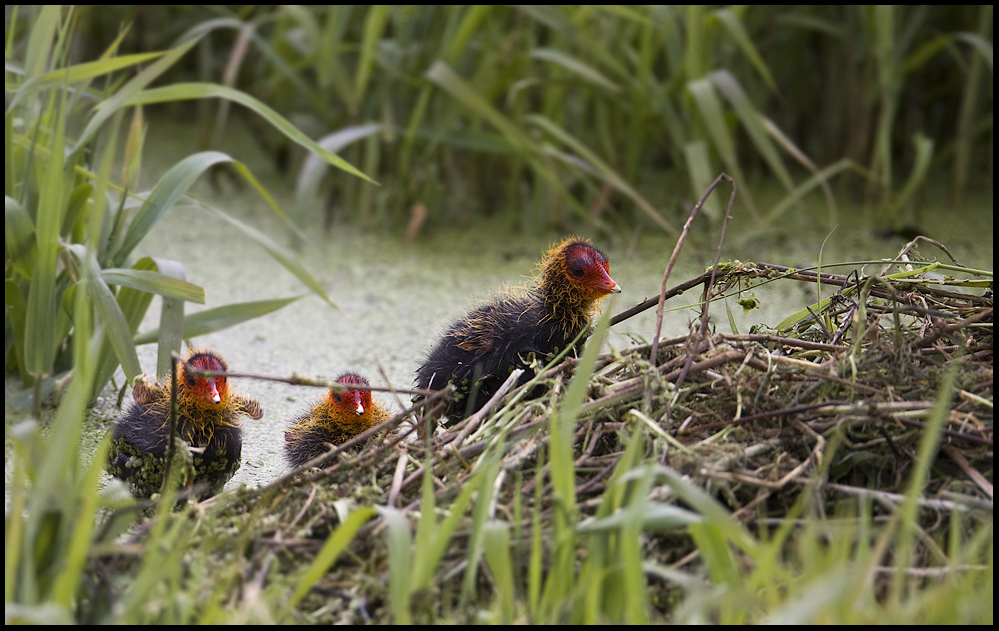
{"x": 577, "y": 271}
{"x": 190, "y": 381}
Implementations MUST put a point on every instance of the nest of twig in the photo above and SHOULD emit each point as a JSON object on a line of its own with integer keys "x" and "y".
{"x": 747, "y": 417}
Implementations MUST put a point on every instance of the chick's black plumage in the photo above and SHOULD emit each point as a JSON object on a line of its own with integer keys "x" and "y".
{"x": 481, "y": 349}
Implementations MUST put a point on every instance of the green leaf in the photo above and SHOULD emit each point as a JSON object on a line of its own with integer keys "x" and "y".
{"x": 695, "y": 154}
{"x": 441, "y": 74}
{"x": 575, "y": 66}
{"x": 710, "y": 109}
{"x": 40, "y": 330}
{"x": 981, "y": 45}
{"x": 76, "y": 74}
{"x": 752, "y": 121}
{"x": 164, "y": 195}
{"x": 374, "y": 26}
{"x": 115, "y": 326}
{"x": 171, "y": 317}
{"x": 400, "y": 567}
{"x": 799, "y": 316}
{"x": 108, "y": 107}
{"x": 219, "y": 318}
{"x": 313, "y": 169}
{"x": 323, "y": 561}
{"x": 40, "y": 40}
{"x": 19, "y": 237}
{"x": 189, "y": 91}
{"x": 602, "y": 170}
{"x": 283, "y": 256}
{"x": 133, "y": 304}
{"x": 656, "y": 517}
{"x": 920, "y": 167}
{"x": 737, "y": 30}
{"x": 154, "y": 283}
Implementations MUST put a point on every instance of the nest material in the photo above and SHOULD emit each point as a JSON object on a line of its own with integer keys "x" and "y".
{"x": 748, "y": 417}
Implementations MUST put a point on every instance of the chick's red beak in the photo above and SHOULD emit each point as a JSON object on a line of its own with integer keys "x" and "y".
{"x": 213, "y": 391}
{"x": 357, "y": 401}
{"x": 607, "y": 283}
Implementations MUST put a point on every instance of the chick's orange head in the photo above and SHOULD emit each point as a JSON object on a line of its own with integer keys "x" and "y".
{"x": 587, "y": 268}
{"x": 210, "y": 390}
{"x": 352, "y": 401}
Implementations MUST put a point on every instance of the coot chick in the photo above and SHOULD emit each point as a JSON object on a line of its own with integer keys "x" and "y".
{"x": 333, "y": 420}
{"x": 480, "y": 350}
{"x": 208, "y": 420}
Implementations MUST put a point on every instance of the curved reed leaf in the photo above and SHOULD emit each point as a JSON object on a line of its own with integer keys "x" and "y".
{"x": 154, "y": 283}
{"x": 108, "y": 107}
{"x": 575, "y": 66}
{"x": 19, "y": 237}
{"x": 737, "y": 30}
{"x": 190, "y": 91}
{"x": 336, "y": 543}
{"x": 219, "y": 318}
{"x": 980, "y": 45}
{"x": 283, "y": 256}
{"x": 752, "y": 121}
{"x": 603, "y": 170}
{"x": 75, "y": 74}
{"x": 314, "y": 168}
{"x": 170, "y": 188}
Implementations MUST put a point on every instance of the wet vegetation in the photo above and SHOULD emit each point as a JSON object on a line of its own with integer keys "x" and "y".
{"x": 834, "y": 466}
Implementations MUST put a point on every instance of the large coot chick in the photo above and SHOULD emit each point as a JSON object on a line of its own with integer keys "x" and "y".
{"x": 480, "y": 350}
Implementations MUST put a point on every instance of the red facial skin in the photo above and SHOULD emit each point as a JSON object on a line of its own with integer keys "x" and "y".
{"x": 352, "y": 401}
{"x": 588, "y": 270}
{"x": 211, "y": 391}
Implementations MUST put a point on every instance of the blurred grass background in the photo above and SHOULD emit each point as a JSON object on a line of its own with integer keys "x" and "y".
{"x": 612, "y": 116}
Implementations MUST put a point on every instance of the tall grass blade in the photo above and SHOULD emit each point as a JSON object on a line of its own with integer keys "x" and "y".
{"x": 189, "y": 91}
{"x": 335, "y": 544}
{"x": 603, "y": 170}
{"x": 168, "y": 286}
{"x": 496, "y": 544}
{"x": 374, "y": 26}
{"x": 400, "y": 572}
{"x": 579, "y": 68}
{"x": 40, "y": 41}
{"x": 710, "y": 110}
{"x": 110, "y": 106}
{"x": 40, "y": 327}
{"x": 219, "y": 318}
{"x": 928, "y": 447}
{"x": 76, "y": 74}
{"x": 737, "y": 31}
{"x": 280, "y": 254}
{"x": 752, "y": 121}
{"x": 916, "y": 179}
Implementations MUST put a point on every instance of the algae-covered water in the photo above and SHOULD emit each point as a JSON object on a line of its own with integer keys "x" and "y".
{"x": 393, "y": 300}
